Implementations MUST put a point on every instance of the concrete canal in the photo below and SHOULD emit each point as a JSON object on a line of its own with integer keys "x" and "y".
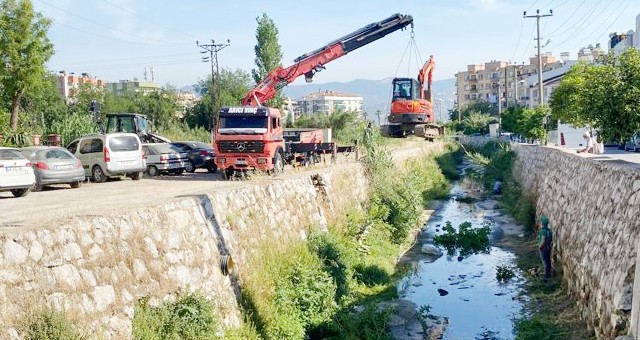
{"x": 464, "y": 297}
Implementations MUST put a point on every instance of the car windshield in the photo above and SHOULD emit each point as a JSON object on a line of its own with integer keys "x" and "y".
{"x": 58, "y": 154}
{"x": 10, "y": 155}
{"x": 201, "y": 145}
{"x": 251, "y": 122}
{"x": 123, "y": 143}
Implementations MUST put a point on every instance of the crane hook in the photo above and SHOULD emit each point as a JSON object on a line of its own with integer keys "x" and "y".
{"x": 412, "y": 34}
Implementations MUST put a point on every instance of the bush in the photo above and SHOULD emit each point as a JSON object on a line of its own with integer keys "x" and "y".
{"x": 191, "y": 316}
{"x": 467, "y": 240}
{"x": 48, "y": 324}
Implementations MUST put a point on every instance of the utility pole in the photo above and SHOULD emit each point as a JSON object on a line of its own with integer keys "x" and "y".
{"x": 213, "y": 50}
{"x": 540, "y": 85}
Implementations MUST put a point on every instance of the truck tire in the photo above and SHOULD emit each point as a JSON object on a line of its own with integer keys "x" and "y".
{"x": 136, "y": 175}
{"x": 98, "y": 174}
{"x": 278, "y": 163}
{"x": 227, "y": 174}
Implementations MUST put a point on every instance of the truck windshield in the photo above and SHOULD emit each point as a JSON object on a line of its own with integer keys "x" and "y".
{"x": 251, "y": 122}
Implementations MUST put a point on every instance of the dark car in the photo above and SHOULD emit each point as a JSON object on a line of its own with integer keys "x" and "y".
{"x": 201, "y": 155}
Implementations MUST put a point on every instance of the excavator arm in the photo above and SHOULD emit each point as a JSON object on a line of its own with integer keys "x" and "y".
{"x": 426, "y": 73}
{"x": 310, "y": 63}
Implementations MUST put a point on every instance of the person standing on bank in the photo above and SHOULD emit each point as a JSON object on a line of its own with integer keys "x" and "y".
{"x": 545, "y": 243}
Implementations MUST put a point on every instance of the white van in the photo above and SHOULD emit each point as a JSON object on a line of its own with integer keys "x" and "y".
{"x": 110, "y": 155}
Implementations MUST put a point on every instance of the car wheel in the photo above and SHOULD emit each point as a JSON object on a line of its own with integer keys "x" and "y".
{"x": 98, "y": 174}
{"x": 20, "y": 192}
{"x": 136, "y": 176}
{"x": 75, "y": 185}
{"x": 177, "y": 172}
{"x": 212, "y": 168}
{"x": 152, "y": 170}
{"x": 189, "y": 167}
{"x": 278, "y": 164}
{"x": 38, "y": 187}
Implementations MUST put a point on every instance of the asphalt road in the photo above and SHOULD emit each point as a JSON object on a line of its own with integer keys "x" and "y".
{"x": 612, "y": 155}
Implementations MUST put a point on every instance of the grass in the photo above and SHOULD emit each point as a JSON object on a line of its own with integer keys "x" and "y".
{"x": 48, "y": 324}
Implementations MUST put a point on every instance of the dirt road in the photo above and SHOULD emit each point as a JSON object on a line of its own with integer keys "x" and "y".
{"x": 59, "y": 203}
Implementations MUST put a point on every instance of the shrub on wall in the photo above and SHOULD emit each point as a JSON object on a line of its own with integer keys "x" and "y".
{"x": 191, "y": 316}
{"x": 48, "y": 324}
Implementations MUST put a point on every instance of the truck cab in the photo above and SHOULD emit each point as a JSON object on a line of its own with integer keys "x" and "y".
{"x": 249, "y": 138}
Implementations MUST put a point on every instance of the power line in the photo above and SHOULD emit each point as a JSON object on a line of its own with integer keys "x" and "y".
{"x": 213, "y": 50}
{"x": 147, "y": 19}
{"x": 572, "y": 36}
{"x": 568, "y": 18}
{"x": 580, "y": 23}
{"x": 145, "y": 39}
{"x": 540, "y": 84}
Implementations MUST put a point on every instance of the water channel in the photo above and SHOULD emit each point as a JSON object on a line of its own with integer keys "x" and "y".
{"x": 464, "y": 292}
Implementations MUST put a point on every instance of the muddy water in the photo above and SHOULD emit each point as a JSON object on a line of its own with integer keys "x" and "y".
{"x": 465, "y": 291}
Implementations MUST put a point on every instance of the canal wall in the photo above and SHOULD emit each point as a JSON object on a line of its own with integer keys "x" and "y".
{"x": 96, "y": 267}
{"x": 592, "y": 205}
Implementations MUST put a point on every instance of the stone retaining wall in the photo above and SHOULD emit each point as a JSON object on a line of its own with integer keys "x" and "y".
{"x": 593, "y": 209}
{"x": 95, "y": 268}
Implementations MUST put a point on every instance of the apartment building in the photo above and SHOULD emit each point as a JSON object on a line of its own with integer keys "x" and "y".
{"x": 68, "y": 82}
{"x": 498, "y": 82}
{"x": 134, "y": 85}
{"x": 329, "y": 102}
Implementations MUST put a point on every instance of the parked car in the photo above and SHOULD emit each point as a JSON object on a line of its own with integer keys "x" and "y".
{"x": 110, "y": 155}
{"x": 16, "y": 174}
{"x": 633, "y": 144}
{"x": 201, "y": 155}
{"x": 165, "y": 158}
{"x": 54, "y": 165}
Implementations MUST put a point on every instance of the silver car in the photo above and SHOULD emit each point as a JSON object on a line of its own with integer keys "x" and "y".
{"x": 633, "y": 144}
{"x": 54, "y": 165}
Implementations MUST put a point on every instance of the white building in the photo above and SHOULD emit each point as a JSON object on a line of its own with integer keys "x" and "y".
{"x": 618, "y": 43}
{"x": 329, "y": 102}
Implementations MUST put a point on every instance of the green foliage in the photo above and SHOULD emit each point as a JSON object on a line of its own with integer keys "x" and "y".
{"x": 539, "y": 327}
{"x": 182, "y": 131}
{"x": 504, "y": 273}
{"x": 72, "y": 126}
{"x": 368, "y": 324}
{"x": 605, "y": 96}
{"x": 467, "y": 240}
{"x": 478, "y": 107}
{"x": 191, "y": 316}
{"x": 337, "y": 259}
{"x": 448, "y": 162}
{"x": 24, "y": 49}
{"x": 268, "y": 53}
{"x": 527, "y": 122}
{"x": 346, "y": 126}
{"x": 48, "y": 324}
{"x": 232, "y": 87}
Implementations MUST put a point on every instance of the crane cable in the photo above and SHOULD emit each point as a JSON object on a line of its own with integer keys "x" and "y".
{"x": 412, "y": 47}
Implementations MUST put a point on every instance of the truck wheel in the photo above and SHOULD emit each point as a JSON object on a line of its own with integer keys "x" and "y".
{"x": 278, "y": 164}
{"x": 152, "y": 170}
{"x": 189, "y": 167}
{"x": 212, "y": 168}
{"x": 98, "y": 174}
{"x": 75, "y": 185}
{"x": 228, "y": 174}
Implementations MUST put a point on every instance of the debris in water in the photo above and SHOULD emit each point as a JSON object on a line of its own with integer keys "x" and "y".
{"x": 442, "y": 292}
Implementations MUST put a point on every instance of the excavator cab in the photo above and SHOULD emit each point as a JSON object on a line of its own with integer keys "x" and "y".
{"x": 133, "y": 123}
{"x": 405, "y": 89}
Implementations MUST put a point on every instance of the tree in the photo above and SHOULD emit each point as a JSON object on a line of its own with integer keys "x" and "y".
{"x": 604, "y": 96}
{"x": 24, "y": 49}
{"x": 268, "y": 53}
{"x": 233, "y": 86}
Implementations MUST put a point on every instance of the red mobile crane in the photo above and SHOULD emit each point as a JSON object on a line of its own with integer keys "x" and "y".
{"x": 251, "y": 137}
{"x": 412, "y": 105}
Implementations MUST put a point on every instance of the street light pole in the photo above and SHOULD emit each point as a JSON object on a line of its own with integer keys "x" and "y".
{"x": 213, "y": 50}
{"x": 540, "y": 84}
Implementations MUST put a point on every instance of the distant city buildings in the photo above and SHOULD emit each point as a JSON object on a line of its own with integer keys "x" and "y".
{"x": 504, "y": 83}
{"x": 69, "y": 82}
{"x": 124, "y": 86}
{"x": 327, "y": 102}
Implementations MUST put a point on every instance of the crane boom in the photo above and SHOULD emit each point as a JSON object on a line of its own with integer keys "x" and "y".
{"x": 312, "y": 62}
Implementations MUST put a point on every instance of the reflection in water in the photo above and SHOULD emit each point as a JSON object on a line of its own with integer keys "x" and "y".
{"x": 465, "y": 290}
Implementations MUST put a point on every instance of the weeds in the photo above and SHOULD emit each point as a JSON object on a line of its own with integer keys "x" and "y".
{"x": 48, "y": 324}
{"x": 504, "y": 273}
{"x": 467, "y": 240}
{"x": 191, "y": 316}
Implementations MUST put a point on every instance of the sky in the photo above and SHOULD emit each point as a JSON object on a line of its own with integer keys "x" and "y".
{"x": 119, "y": 39}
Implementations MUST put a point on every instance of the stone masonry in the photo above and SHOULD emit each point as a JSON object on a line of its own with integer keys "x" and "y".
{"x": 593, "y": 210}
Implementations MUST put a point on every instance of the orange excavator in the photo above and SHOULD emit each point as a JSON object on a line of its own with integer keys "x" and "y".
{"x": 412, "y": 106}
